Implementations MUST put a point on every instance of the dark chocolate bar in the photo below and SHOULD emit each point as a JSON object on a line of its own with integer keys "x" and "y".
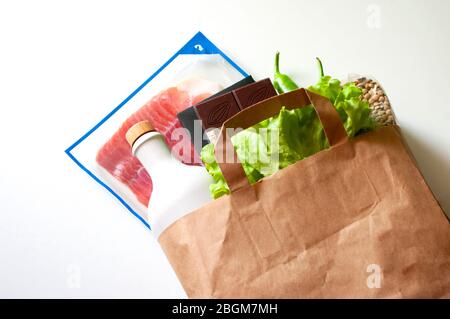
{"x": 254, "y": 93}
{"x": 214, "y": 112}
{"x": 217, "y": 109}
{"x": 189, "y": 116}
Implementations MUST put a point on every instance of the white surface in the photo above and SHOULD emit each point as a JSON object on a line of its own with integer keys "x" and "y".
{"x": 64, "y": 65}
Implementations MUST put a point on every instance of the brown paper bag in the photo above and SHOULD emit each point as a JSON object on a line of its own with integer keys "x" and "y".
{"x": 355, "y": 220}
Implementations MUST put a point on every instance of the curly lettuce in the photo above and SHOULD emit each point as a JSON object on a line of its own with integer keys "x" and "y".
{"x": 292, "y": 135}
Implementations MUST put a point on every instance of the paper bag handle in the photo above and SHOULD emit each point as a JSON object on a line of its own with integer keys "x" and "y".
{"x": 233, "y": 171}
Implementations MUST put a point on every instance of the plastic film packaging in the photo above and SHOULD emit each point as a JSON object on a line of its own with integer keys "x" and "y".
{"x": 198, "y": 70}
{"x": 375, "y": 94}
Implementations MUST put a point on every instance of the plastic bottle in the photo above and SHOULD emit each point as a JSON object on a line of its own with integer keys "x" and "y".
{"x": 178, "y": 189}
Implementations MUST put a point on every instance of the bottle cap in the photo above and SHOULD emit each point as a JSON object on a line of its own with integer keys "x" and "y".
{"x": 137, "y": 130}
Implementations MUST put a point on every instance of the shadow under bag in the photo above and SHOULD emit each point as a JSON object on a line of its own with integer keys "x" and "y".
{"x": 354, "y": 220}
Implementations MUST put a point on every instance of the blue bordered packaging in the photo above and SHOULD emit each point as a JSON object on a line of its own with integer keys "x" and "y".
{"x": 198, "y": 61}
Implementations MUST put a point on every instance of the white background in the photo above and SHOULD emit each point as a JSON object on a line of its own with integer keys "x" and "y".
{"x": 64, "y": 65}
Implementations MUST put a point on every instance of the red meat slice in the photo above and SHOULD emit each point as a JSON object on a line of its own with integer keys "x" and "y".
{"x": 115, "y": 156}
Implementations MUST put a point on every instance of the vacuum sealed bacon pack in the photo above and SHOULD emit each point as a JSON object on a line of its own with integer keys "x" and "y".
{"x": 196, "y": 72}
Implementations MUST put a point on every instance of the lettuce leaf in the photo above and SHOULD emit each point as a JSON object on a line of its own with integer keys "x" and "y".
{"x": 354, "y": 113}
{"x": 292, "y": 135}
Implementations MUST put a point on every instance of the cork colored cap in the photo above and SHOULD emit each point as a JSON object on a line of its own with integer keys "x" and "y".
{"x": 137, "y": 130}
